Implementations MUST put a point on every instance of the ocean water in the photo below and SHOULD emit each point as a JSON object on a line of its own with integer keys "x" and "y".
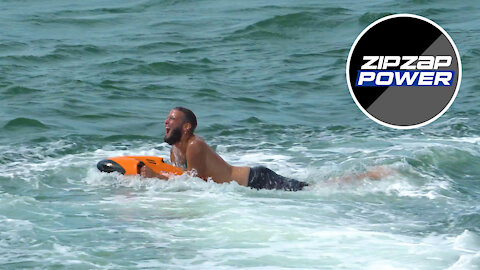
{"x": 84, "y": 80}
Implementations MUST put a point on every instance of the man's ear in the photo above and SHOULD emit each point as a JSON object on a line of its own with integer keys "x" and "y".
{"x": 187, "y": 127}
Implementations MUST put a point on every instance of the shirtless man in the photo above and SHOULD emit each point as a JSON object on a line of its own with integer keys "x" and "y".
{"x": 191, "y": 153}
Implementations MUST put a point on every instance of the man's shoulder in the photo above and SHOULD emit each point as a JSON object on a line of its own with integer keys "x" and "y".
{"x": 196, "y": 140}
{"x": 196, "y": 143}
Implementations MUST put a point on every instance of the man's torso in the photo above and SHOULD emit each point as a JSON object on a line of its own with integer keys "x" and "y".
{"x": 213, "y": 165}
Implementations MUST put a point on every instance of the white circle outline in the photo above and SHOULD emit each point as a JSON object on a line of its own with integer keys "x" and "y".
{"x": 458, "y": 61}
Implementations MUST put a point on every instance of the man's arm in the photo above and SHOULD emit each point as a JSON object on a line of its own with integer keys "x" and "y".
{"x": 149, "y": 173}
{"x": 172, "y": 157}
{"x": 196, "y": 159}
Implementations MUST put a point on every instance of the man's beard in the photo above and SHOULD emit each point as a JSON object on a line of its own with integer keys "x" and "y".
{"x": 175, "y": 136}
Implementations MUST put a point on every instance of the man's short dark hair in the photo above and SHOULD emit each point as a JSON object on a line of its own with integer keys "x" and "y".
{"x": 189, "y": 117}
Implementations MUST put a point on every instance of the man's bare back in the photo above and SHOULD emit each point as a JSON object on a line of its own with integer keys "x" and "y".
{"x": 206, "y": 163}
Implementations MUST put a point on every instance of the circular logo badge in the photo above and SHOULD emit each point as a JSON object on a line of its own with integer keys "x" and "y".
{"x": 404, "y": 71}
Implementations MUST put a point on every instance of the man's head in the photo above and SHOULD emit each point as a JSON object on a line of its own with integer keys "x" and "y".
{"x": 180, "y": 122}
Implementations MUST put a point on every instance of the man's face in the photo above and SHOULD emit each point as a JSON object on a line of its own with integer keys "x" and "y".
{"x": 173, "y": 127}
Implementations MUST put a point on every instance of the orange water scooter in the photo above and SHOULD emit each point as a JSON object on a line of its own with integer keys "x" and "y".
{"x": 131, "y": 165}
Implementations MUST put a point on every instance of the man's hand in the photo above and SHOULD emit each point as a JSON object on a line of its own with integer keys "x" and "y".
{"x": 149, "y": 173}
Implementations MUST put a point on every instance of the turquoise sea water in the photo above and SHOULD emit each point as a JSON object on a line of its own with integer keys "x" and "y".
{"x": 85, "y": 80}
